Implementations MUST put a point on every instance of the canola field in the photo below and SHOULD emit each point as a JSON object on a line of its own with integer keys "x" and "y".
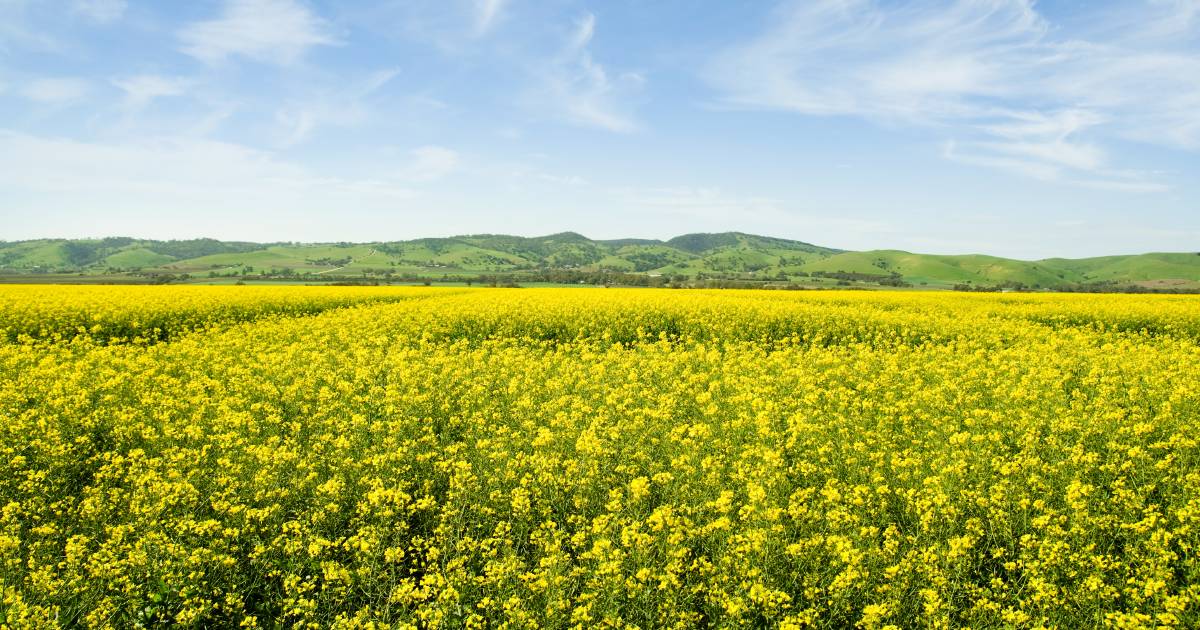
{"x": 588, "y": 458}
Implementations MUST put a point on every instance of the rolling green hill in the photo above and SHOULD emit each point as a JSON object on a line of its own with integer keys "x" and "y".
{"x": 732, "y": 256}
{"x": 931, "y": 268}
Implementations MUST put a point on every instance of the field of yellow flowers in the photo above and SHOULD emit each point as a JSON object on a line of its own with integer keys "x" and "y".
{"x": 425, "y": 458}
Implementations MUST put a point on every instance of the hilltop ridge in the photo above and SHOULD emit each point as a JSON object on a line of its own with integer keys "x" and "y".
{"x": 731, "y": 256}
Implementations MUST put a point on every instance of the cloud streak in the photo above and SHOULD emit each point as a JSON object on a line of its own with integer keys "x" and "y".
{"x": 161, "y": 185}
{"x": 56, "y": 91}
{"x": 487, "y": 12}
{"x": 141, "y": 90}
{"x": 582, "y": 91}
{"x": 995, "y": 75}
{"x": 429, "y": 163}
{"x": 101, "y": 11}
{"x": 269, "y": 31}
{"x": 346, "y": 107}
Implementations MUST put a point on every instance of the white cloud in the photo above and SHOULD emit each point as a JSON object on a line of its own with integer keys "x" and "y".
{"x": 142, "y": 89}
{"x": 561, "y": 180}
{"x": 429, "y": 163}
{"x": 271, "y": 31}
{"x": 507, "y": 132}
{"x": 346, "y": 107}
{"x": 56, "y": 91}
{"x": 486, "y": 14}
{"x": 1056, "y": 160}
{"x": 857, "y": 57}
{"x": 165, "y": 185}
{"x": 102, "y": 11}
{"x": 1122, "y": 186}
{"x": 458, "y": 28}
{"x": 994, "y": 74}
{"x": 585, "y": 30}
{"x": 582, "y": 91}
{"x": 1173, "y": 18}
{"x": 17, "y": 31}
{"x": 1045, "y": 143}
{"x": 998, "y": 160}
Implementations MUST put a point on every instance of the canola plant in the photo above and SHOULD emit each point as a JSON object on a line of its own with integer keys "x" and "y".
{"x": 578, "y": 458}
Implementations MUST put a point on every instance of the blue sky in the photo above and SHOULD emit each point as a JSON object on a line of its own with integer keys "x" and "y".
{"x": 1009, "y": 127}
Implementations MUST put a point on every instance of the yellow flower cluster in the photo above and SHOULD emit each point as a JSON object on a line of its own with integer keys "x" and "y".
{"x": 599, "y": 458}
{"x": 106, "y": 313}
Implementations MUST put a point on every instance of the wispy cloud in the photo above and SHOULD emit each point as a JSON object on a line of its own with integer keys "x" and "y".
{"x": 141, "y": 90}
{"x": 429, "y": 163}
{"x": 161, "y": 185}
{"x": 995, "y": 75}
{"x": 343, "y": 107}
{"x": 462, "y": 29}
{"x": 17, "y": 31}
{"x": 101, "y": 11}
{"x": 270, "y": 31}
{"x": 1047, "y": 147}
{"x": 1172, "y": 18}
{"x": 56, "y": 91}
{"x": 860, "y": 57}
{"x": 487, "y": 12}
{"x": 582, "y": 91}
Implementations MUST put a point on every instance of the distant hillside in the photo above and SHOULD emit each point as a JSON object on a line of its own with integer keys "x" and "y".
{"x": 566, "y": 257}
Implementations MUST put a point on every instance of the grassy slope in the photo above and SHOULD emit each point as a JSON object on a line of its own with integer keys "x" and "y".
{"x": 298, "y": 257}
{"x": 637, "y": 257}
{"x": 136, "y": 257}
{"x": 947, "y": 269}
{"x": 735, "y": 252}
{"x": 31, "y": 254}
{"x": 1155, "y": 266}
{"x": 743, "y": 255}
{"x": 97, "y": 255}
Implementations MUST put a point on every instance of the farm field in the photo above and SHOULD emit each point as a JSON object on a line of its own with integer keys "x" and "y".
{"x": 416, "y": 457}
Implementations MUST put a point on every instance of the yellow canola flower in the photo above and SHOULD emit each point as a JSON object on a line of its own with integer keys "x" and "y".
{"x": 416, "y": 457}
